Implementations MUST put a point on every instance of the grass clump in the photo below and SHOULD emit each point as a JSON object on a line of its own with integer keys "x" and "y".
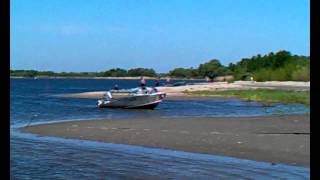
{"x": 262, "y": 95}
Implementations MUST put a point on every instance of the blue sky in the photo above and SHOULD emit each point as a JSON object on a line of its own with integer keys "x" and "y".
{"x": 96, "y": 35}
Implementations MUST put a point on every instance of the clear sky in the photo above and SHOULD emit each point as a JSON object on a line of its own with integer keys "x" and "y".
{"x": 96, "y": 35}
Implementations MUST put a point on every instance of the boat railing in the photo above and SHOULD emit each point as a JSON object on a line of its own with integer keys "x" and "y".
{"x": 134, "y": 91}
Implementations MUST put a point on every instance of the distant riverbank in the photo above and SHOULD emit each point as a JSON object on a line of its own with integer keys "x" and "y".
{"x": 134, "y": 78}
{"x": 211, "y": 90}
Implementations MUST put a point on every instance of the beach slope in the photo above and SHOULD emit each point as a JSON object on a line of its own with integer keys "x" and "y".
{"x": 277, "y": 139}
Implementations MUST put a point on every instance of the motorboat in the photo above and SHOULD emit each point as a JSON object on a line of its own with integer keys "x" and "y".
{"x": 136, "y": 98}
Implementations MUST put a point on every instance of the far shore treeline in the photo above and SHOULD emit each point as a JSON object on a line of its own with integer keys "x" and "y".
{"x": 279, "y": 66}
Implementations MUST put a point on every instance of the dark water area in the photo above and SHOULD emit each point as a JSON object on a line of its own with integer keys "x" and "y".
{"x": 34, "y": 157}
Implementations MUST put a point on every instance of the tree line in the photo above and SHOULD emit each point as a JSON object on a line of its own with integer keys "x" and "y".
{"x": 115, "y": 72}
{"x": 281, "y": 66}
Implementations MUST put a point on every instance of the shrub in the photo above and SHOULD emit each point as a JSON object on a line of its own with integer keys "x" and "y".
{"x": 301, "y": 74}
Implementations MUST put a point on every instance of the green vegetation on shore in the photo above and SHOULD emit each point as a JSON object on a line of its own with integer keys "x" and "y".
{"x": 279, "y": 66}
{"x": 262, "y": 95}
{"x": 116, "y": 72}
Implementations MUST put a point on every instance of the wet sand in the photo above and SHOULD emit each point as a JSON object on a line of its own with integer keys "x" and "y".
{"x": 277, "y": 139}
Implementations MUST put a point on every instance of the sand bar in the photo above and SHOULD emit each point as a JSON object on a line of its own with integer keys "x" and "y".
{"x": 278, "y": 139}
{"x": 178, "y": 91}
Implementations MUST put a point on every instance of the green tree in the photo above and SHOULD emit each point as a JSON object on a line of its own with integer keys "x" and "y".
{"x": 115, "y": 73}
{"x": 274, "y": 66}
{"x": 184, "y": 72}
{"x": 211, "y": 69}
{"x": 142, "y": 72}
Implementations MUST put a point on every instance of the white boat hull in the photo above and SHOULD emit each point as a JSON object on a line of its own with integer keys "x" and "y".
{"x": 142, "y": 101}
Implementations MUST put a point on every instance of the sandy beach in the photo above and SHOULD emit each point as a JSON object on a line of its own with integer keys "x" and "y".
{"x": 179, "y": 91}
{"x": 275, "y": 139}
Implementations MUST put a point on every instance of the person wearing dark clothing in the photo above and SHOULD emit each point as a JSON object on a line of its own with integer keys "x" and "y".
{"x": 142, "y": 82}
{"x": 157, "y": 83}
{"x": 116, "y": 87}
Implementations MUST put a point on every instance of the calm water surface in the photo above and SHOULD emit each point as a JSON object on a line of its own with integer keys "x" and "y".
{"x": 34, "y": 157}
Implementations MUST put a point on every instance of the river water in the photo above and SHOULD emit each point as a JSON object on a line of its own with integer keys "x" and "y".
{"x": 35, "y": 157}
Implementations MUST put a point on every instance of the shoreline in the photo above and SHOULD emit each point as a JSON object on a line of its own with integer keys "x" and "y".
{"x": 183, "y": 92}
{"x": 275, "y": 139}
{"x": 116, "y": 78}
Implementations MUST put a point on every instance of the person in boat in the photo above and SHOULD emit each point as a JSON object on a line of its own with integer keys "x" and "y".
{"x": 168, "y": 83}
{"x": 142, "y": 83}
{"x": 157, "y": 83}
{"x": 116, "y": 87}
